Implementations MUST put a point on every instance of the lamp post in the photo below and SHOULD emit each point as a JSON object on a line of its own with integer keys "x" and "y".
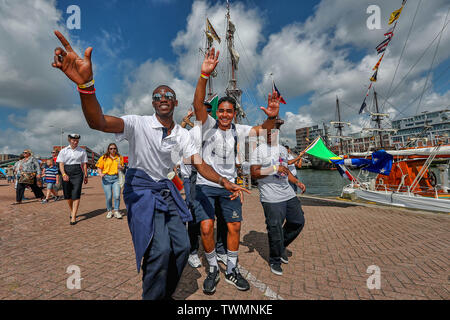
{"x": 62, "y": 132}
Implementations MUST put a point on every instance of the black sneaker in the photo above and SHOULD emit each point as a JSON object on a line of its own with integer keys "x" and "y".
{"x": 236, "y": 279}
{"x": 284, "y": 257}
{"x": 276, "y": 268}
{"x": 209, "y": 285}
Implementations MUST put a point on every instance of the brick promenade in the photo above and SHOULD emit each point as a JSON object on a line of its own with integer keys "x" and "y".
{"x": 329, "y": 259}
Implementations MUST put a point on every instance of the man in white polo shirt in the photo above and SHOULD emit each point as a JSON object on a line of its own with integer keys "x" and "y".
{"x": 156, "y": 211}
{"x": 219, "y": 141}
{"x": 269, "y": 166}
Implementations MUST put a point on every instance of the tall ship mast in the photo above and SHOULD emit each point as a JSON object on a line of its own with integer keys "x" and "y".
{"x": 339, "y": 125}
{"x": 232, "y": 89}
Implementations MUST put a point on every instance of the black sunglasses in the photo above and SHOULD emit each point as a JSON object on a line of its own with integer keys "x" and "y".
{"x": 169, "y": 96}
{"x": 112, "y": 148}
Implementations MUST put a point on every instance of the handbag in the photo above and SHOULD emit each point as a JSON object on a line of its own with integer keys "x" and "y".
{"x": 27, "y": 177}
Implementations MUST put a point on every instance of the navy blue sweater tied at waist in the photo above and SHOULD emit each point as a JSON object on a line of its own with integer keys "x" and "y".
{"x": 142, "y": 198}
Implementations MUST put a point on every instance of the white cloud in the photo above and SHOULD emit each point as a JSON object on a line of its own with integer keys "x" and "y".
{"x": 248, "y": 36}
{"x": 27, "y": 79}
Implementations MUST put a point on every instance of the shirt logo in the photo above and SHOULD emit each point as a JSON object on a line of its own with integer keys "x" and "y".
{"x": 235, "y": 215}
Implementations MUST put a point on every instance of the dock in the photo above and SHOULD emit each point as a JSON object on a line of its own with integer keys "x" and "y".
{"x": 334, "y": 257}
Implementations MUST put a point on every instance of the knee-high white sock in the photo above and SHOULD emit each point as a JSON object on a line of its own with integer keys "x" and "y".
{"x": 212, "y": 258}
{"x": 232, "y": 257}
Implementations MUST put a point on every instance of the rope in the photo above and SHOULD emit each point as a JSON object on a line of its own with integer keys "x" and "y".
{"x": 420, "y": 58}
{"x": 401, "y": 55}
{"x": 432, "y": 62}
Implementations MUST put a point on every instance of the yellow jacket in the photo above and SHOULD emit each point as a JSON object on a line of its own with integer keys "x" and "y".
{"x": 109, "y": 166}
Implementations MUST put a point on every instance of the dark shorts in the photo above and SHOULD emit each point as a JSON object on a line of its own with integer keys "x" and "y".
{"x": 72, "y": 188}
{"x": 205, "y": 197}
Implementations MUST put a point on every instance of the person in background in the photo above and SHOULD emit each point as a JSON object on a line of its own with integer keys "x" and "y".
{"x": 16, "y": 168}
{"x": 10, "y": 174}
{"x": 58, "y": 185}
{"x": 30, "y": 171}
{"x": 51, "y": 178}
{"x": 73, "y": 166}
{"x": 108, "y": 167}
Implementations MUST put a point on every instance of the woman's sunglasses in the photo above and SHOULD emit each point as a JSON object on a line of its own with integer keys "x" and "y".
{"x": 168, "y": 95}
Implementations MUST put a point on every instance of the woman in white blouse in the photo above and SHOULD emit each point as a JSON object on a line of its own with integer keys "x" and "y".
{"x": 73, "y": 166}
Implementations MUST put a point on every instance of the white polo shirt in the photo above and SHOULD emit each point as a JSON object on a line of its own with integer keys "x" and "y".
{"x": 273, "y": 188}
{"x": 148, "y": 150}
{"x": 218, "y": 150}
{"x": 72, "y": 156}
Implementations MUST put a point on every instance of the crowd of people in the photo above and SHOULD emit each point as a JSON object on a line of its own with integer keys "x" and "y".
{"x": 165, "y": 227}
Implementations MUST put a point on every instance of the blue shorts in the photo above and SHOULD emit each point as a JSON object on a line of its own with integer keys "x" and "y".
{"x": 51, "y": 185}
{"x": 205, "y": 197}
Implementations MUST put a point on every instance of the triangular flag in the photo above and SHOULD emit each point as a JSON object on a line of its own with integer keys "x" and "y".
{"x": 374, "y": 77}
{"x": 280, "y": 98}
{"x": 211, "y": 31}
{"x": 378, "y": 63}
{"x": 214, "y": 101}
{"x": 394, "y": 15}
{"x": 363, "y": 106}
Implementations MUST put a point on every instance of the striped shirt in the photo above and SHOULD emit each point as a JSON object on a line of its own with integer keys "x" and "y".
{"x": 50, "y": 174}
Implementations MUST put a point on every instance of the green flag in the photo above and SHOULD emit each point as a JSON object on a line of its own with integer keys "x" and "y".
{"x": 214, "y": 101}
{"x": 319, "y": 150}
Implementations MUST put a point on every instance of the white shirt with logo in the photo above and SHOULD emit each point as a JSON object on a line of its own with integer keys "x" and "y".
{"x": 148, "y": 150}
{"x": 71, "y": 156}
{"x": 218, "y": 150}
{"x": 273, "y": 188}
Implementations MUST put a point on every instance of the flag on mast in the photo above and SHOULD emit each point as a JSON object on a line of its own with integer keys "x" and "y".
{"x": 378, "y": 63}
{"x": 395, "y": 15}
{"x": 364, "y": 105}
{"x": 382, "y": 46}
{"x": 274, "y": 88}
{"x": 210, "y": 30}
{"x": 374, "y": 76}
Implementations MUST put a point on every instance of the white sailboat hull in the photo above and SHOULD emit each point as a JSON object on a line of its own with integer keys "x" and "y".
{"x": 404, "y": 200}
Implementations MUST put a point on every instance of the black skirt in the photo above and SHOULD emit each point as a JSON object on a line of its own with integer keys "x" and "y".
{"x": 72, "y": 188}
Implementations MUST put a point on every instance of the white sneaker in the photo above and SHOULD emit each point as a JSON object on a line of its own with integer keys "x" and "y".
{"x": 109, "y": 215}
{"x": 194, "y": 261}
{"x": 222, "y": 258}
{"x": 117, "y": 215}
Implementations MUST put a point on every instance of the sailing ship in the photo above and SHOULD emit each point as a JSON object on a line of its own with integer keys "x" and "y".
{"x": 411, "y": 183}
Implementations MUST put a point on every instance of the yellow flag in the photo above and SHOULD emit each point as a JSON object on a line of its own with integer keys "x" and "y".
{"x": 374, "y": 77}
{"x": 378, "y": 63}
{"x": 211, "y": 30}
{"x": 395, "y": 15}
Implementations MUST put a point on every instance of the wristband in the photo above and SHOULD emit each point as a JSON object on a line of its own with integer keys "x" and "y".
{"x": 275, "y": 168}
{"x": 87, "y": 84}
{"x": 204, "y": 76}
{"x": 64, "y": 175}
{"x": 85, "y": 91}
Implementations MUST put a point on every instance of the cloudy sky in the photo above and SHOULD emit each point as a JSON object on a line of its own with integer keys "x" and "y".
{"x": 316, "y": 50}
